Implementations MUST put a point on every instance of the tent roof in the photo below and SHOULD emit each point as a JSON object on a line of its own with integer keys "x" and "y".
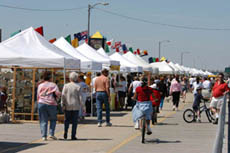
{"x": 125, "y": 62}
{"x": 97, "y": 35}
{"x": 91, "y": 53}
{"x": 86, "y": 63}
{"x": 31, "y": 45}
{"x": 135, "y": 59}
{"x": 164, "y": 68}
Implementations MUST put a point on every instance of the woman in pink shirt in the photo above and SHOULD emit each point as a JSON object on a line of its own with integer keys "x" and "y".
{"x": 47, "y": 106}
{"x": 175, "y": 90}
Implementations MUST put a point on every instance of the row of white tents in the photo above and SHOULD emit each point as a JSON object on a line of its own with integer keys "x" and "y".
{"x": 30, "y": 49}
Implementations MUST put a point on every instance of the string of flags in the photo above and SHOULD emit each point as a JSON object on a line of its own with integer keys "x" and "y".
{"x": 83, "y": 35}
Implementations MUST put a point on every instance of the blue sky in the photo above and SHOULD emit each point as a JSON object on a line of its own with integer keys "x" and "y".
{"x": 209, "y": 49}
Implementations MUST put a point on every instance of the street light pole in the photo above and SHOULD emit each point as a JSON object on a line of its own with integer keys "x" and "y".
{"x": 160, "y": 47}
{"x": 89, "y": 10}
{"x": 181, "y": 58}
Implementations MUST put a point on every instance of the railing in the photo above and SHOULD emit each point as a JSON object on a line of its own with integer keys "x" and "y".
{"x": 218, "y": 144}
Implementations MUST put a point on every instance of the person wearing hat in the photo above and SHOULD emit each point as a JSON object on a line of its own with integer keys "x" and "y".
{"x": 196, "y": 103}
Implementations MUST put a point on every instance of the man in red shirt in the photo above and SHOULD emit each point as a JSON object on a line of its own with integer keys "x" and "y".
{"x": 219, "y": 89}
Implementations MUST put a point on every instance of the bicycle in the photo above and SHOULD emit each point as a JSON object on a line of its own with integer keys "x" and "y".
{"x": 189, "y": 114}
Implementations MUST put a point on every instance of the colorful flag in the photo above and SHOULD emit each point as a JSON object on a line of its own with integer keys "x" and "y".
{"x": 151, "y": 60}
{"x": 131, "y": 49}
{"x": 117, "y": 44}
{"x": 75, "y": 43}
{"x": 124, "y": 48}
{"x": 16, "y": 32}
{"x": 81, "y": 35}
{"x": 138, "y": 51}
{"x": 107, "y": 50}
{"x": 68, "y": 38}
{"x": 52, "y": 40}
{"x": 110, "y": 42}
{"x": 40, "y": 30}
{"x": 144, "y": 53}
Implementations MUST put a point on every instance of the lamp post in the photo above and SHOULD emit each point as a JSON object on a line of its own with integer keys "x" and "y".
{"x": 181, "y": 57}
{"x": 89, "y": 9}
{"x": 160, "y": 46}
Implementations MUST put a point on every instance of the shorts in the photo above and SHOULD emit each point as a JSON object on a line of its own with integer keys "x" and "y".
{"x": 217, "y": 102}
{"x": 196, "y": 107}
{"x": 184, "y": 89}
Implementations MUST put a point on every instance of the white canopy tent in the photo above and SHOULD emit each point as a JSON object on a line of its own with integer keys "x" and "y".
{"x": 182, "y": 71}
{"x": 122, "y": 68}
{"x": 155, "y": 70}
{"x": 91, "y": 53}
{"x": 125, "y": 62}
{"x": 86, "y": 63}
{"x": 164, "y": 68}
{"x": 132, "y": 57}
{"x": 176, "y": 69}
{"x": 39, "y": 52}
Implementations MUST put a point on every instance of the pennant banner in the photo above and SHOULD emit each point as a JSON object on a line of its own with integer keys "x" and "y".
{"x": 107, "y": 50}
{"x": 40, "y": 30}
{"x": 75, "y": 43}
{"x": 81, "y": 35}
{"x": 52, "y": 40}
{"x": 131, "y": 49}
{"x": 68, "y": 38}
{"x": 117, "y": 45}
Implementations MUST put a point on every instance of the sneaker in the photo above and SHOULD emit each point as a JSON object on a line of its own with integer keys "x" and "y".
{"x": 198, "y": 120}
{"x": 44, "y": 138}
{"x": 53, "y": 137}
{"x": 173, "y": 108}
{"x": 65, "y": 136}
{"x": 177, "y": 109}
{"x": 216, "y": 121}
{"x": 98, "y": 124}
{"x": 137, "y": 125}
{"x": 149, "y": 130}
{"x": 73, "y": 138}
{"x": 108, "y": 124}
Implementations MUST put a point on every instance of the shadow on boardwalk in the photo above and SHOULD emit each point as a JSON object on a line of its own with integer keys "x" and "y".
{"x": 12, "y": 147}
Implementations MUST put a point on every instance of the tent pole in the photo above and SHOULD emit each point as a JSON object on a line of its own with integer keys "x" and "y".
{"x": 14, "y": 94}
{"x": 64, "y": 72}
{"x": 91, "y": 95}
{"x": 33, "y": 94}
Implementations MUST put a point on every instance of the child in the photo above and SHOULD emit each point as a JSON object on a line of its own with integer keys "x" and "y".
{"x": 196, "y": 104}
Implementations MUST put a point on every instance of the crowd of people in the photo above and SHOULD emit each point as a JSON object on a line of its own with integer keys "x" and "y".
{"x": 141, "y": 92}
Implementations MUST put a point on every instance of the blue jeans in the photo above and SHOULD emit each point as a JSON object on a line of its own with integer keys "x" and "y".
{"x": 162, "y": 102}
{"x": 71, "y": 116}
{"x": 47, "y": 112}
{"x": 102, "y": 97}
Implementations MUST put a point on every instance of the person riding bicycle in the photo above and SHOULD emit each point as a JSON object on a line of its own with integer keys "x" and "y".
{"x": 143, "y": 105}
{"x": 196, "y": 103}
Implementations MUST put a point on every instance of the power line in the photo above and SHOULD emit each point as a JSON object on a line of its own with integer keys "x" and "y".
{"x": 163, "y": 24}
{"x": 41, "y": 10}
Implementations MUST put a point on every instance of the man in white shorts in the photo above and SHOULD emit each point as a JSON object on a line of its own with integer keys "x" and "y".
{"x": 218, "y": 91}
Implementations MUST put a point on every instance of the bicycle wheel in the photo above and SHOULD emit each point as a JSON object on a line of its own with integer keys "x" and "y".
{"x": 189, "y": 116}
{"x": 210, "y": 115}
{"x": 143, "y": 131}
